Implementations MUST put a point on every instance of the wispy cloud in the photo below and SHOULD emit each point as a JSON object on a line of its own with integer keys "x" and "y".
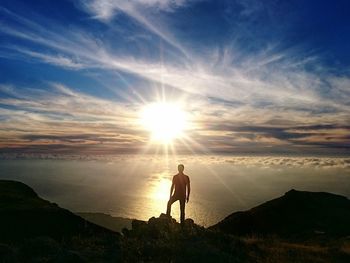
{"x": 267, "y": 76}
{"x": 67, "y": 119}
{"x": 141, "y": 11}
{"x": 287, "y": 84}
{"x": 106, "y": 9}
{"x": 57, "y": 60}
{"x": 63, "y": 120}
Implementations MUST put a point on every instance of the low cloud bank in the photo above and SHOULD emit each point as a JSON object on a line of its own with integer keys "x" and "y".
{"x": 247, "y": 161}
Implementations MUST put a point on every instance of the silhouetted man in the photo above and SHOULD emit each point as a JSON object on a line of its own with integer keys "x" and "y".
{"x": 181, "y": 182}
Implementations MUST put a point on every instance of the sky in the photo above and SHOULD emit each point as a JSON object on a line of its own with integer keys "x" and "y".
{"x": 253, "y": 77}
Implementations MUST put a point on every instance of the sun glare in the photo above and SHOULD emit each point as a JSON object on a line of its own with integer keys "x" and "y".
{"x": 165, "y": 121}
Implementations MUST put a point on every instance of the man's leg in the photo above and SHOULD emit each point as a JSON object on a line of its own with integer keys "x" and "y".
{"x": 170, "y": 202}
{"x": 182, "y": 210}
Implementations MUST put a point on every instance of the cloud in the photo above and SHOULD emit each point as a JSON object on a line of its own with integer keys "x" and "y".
{"x": 59, "y": 60}
{"x": 141, "y": 11}
{"x": 64, "y": 120}
{"x": 262, "y": 162}
{"x": 267, "y": 79}
{"x": 106, "y": 9}
{"x": 292, "y": 162}
{"x": 67, "y": 121}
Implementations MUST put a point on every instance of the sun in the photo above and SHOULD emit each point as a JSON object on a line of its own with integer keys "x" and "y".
{"x": 164, "y": 120}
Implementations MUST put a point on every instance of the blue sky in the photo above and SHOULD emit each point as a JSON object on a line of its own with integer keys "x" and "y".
{"x": 255, "y": 77}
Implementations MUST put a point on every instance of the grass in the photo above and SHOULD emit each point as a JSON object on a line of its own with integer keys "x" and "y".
{"x": 281, "y": 250}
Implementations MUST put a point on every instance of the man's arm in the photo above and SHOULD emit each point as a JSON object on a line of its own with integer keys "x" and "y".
{"x": 188, "y": 189}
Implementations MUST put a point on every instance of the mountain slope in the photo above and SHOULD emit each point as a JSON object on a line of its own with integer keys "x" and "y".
{"x": 295, "y": 214}
{"x": 24, "y": 214}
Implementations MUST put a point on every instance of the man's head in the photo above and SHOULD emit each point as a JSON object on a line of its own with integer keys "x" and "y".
{"x": 181, "y": 168}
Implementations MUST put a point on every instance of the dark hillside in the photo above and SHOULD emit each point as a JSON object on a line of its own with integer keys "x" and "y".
{"x": 298, "y": 214}
{"x": 24, "y": 214}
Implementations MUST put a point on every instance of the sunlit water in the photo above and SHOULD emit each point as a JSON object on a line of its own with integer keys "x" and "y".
{"x": 138, "y": 187}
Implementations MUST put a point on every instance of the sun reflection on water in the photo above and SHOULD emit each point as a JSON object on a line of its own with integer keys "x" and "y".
{"x": 157, "y": 193}
{"x": 161, "y": 190}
